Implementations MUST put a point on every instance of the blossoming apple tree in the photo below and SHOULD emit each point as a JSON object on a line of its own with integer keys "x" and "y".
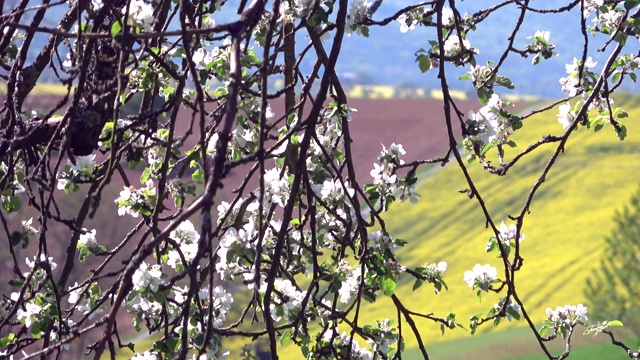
{"x": 301, "y": 248}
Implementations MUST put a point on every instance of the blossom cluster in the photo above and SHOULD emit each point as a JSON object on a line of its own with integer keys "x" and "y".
{"x": 481, "y": 277}
{"x": 542, "y": 47}
{"x": 580, "y": 77}
{"x": 491, "y": 125}
{"x": 74, "y": 173}
{"x": 512, "y": 309}
{"x": 386, "y": 181}
{"x": 507, "y": 237}
{"x": 134, "y": 201}
{"x": 186, "y": 238}
{"x": 334, "y": 343}
{"x": 357, "y": 14}
{"x": 563, "y": 319}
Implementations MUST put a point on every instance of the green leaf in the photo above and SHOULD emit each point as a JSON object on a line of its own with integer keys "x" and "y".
{"x": 15, "y": 283}
{"x": 504, "y": 81}
{"x": 484, "y": 95}
{"x": 369, "y": 296}
{"x": 471, "y": 159}
{"x": 621, "y": 131}
{"x": 365, "y": 31}
{"x": 116, "y": 28}
{"x": 417, "y": 284}
{"x": 198, "y": 176}
{"x": 145, "y": 175}
{"x": 16, "y": 236}
{"x": 401, "y": 242}
{"x": 285, "y": 337}
{"x": 424, "y": 63}
{"x": 616, "y": 77}
{"x": 387, "y": 284}
{"x": 544, "y": 330}
{"x": 486, "y": 148}
{"x": 630, "y": 4}
{"x": 12, "y": 204}
{"x": 9, "y": 339}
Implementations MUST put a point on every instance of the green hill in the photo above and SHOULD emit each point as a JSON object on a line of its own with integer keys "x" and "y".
{"x": 571, "y": 215}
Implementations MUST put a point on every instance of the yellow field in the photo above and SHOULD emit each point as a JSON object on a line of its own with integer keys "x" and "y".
{"x": 570, "y": 216}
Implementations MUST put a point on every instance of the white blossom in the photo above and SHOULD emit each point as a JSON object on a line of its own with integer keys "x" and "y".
{"x": 448, "y": 17}
{"x": 78, "y": 172}
{"x": 131, "y": 200}
{"x": 88, "y": 238}
{"x": 409, "y": 192}
{"x": 187, "y": 238}
{"x": 481, "y": 276}
{"x": 481, "y": 76}
{"x": 343, "y": 340}
{"x": 610, "y": 19}
{"x": 567, "y": 315}
{"x": 30, "y": 313}
{"x": 147, "y": 276}
{"x": 350, "y": 284}
{"x": 508, "y": 233}
{"x": 276, "y": 187}
{"x": 512, "y": 307}
{"x": 357, "y": 13}
{"x": 542, "y": 46}
{"x": 590, "y": 5}
{"x": 43, "y": 259}
{"x": 452, "y": 45}
{"x": 28, "y": 229}
{"x": 289, "y": 298}
{"x": 407, "y": 23}
{"x": 147, "y": 355}
{"x": 378, "y": 241}
{"x": 571, "y": 83}
{"x": 565, "y": 115}
{"x": 488, "y": 125}
{"x": 141, "y": 13}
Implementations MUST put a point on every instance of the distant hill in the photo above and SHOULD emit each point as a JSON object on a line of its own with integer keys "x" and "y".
{"x": 387, "y": 57}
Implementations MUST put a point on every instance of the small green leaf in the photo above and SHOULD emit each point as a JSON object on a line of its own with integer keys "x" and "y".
{"x": 417, "y": 284}
{"x": 12, "y": 204}
{"x": 630, "y": 4}
{"x": 504, "y": 81}
{"x": 486, "y": 148}
{"x": 198, "y": 176}
{"x": 544, "y": 330}
{"x": 9, "y": 339}
{"x": 388, "y": 284}
{"x": 285, "y": 337}
{"x": 614, "y": 323}
{"x": 484, "y": 95}
{"x": 16, "y": 236}
{"x": 424, "y": 63}
{"x": 369, "y": 296}
{"x": 621, "y": 131}
{"x": 116, "y": 28}
{"x": 145, "y": 175}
